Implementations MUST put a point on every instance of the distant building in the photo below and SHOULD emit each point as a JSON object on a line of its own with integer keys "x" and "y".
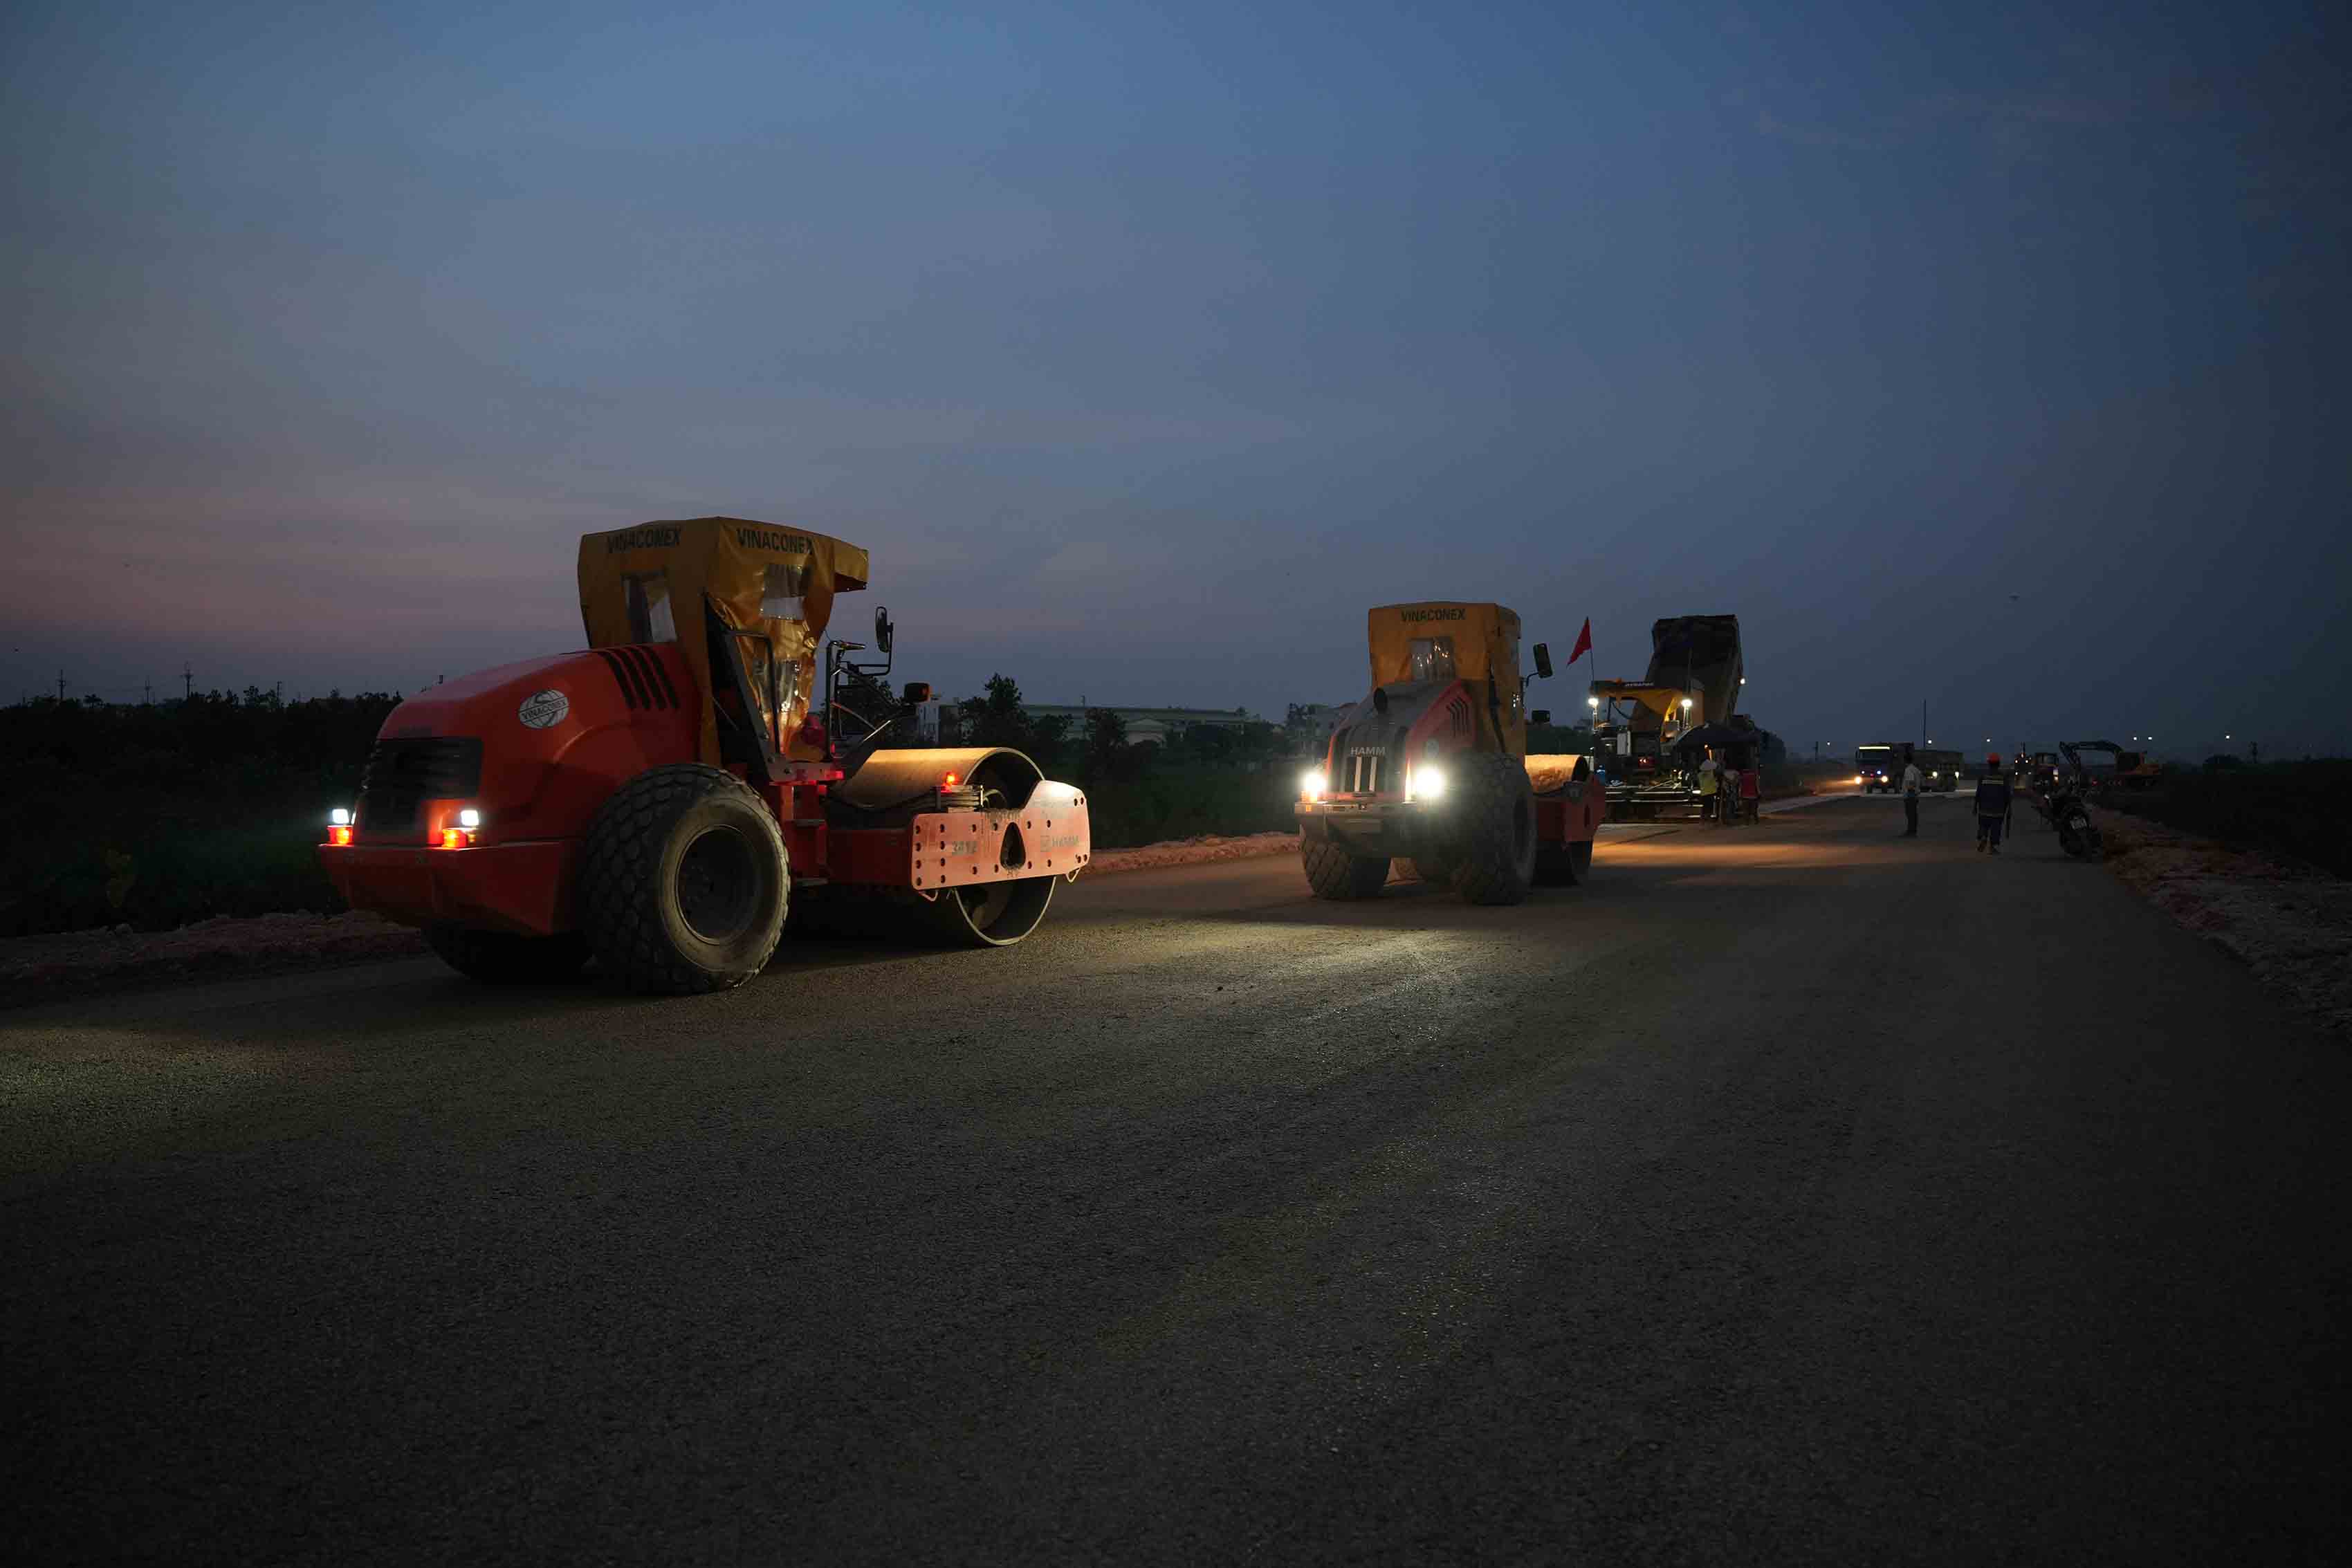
{"x": 1316, "y": 721}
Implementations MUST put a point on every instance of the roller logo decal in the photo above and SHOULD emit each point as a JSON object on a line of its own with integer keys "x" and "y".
{"x": 775, "y": 539}
{"x": 642, "y": 538}
{"x": 542, "y": 710}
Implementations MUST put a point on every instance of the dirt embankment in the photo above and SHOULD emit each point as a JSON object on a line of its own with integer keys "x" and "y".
{"x": 2291, "y": 923}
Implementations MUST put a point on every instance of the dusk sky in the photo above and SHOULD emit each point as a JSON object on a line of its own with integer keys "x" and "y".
{"x": 1988, "y": 355}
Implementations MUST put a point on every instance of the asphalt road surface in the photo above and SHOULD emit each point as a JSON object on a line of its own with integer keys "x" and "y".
{"x": 1795, "y": 1193}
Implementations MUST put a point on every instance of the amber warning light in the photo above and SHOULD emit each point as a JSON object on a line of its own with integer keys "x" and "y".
{"x": 948, "y": 782}
{"x": 339, "y": 825}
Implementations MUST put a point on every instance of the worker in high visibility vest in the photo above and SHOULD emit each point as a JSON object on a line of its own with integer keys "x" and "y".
{"x": 1994, "y": 801}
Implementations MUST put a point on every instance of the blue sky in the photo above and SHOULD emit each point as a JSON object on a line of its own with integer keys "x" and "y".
{"x": 1992, "y": 356}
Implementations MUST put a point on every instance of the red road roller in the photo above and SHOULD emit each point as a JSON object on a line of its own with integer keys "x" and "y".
{"x": 663, "y": 800}
{"x": 1432, "y": 767}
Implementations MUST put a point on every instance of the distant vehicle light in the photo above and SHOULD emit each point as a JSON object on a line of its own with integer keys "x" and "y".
{"x": 1310, "y": 784}
{"x": 469, "y": 819}
{"x": 1429, "y": 783}
{"x": 340, "y": 816}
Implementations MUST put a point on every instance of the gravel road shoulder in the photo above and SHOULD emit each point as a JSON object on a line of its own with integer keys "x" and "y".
{"x": 2289, "y": 922}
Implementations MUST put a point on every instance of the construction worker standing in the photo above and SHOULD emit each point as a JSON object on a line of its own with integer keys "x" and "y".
{"x": 1911, "y": 782}
{"x": 1993, "y": 803}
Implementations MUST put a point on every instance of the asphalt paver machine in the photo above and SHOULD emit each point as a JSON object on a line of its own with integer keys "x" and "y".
{"x": 665, "y": 799}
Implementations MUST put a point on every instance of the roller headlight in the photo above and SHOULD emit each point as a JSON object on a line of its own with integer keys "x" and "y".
{"x": 1429, "y": 783}
{"x": 1310, "y": 784}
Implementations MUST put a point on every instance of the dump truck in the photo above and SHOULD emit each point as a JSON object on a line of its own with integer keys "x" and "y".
{"x": 1432, "y": 767}
{"x": 1878, "y": 766}
{"x": 663, "y": 800}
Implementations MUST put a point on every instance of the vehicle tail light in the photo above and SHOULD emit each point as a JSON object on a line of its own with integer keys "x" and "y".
{"x": 339, "y": 835}
{"x": 456, "y": 838}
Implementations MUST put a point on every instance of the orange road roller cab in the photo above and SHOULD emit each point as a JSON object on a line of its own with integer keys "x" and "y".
{"x": 1432, "y": 767}
{"x": 665, "y": 801}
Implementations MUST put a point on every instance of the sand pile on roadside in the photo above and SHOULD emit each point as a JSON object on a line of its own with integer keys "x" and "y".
{"x": 2291, "y": 923}
{"x": 1192, "y": 851}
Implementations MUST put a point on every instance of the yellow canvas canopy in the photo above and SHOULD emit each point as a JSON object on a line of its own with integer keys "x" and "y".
{"x": 1665, "y": 701}
{"x": 1448, "y": 640}
{"x": 773, "y": 583}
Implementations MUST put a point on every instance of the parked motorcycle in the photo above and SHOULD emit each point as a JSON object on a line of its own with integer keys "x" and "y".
{"x": 2061, "y": 799}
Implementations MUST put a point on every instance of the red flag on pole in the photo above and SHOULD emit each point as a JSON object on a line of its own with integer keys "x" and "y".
{"x": 1584, "y": 642}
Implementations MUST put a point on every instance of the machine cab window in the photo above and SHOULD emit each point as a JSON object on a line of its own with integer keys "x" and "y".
{"x": 650, "y": 619}
{"x": 1432, "y": 658}
{"x": 784, "y": 590}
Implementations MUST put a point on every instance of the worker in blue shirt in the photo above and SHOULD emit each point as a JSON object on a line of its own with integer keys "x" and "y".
{"x": 1993, "y": 804}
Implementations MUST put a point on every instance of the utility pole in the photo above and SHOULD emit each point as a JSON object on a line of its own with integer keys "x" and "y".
{"x": 187, "y": 678}
{"x": 147, "y": 693}
{"x": 1923, "y": 721}
{"x": 62, "y": 686}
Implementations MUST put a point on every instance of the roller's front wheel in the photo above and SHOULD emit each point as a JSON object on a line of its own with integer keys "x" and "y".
{"x": 990, "y": 914}
{"x": 1563, "y": 865}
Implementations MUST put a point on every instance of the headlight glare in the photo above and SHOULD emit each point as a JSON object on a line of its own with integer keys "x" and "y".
{"x": 1429, "y": 783}
{"x": 1311, "y": 783}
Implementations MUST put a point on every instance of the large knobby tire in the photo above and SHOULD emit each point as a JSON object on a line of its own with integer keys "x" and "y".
{"x": 1494, "y": 802}
{"x": 1333, "y": 873}
{"x": 1563, "y": 865}
{"x": 684, "y": 882}
{"x": 502, "y": 958}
